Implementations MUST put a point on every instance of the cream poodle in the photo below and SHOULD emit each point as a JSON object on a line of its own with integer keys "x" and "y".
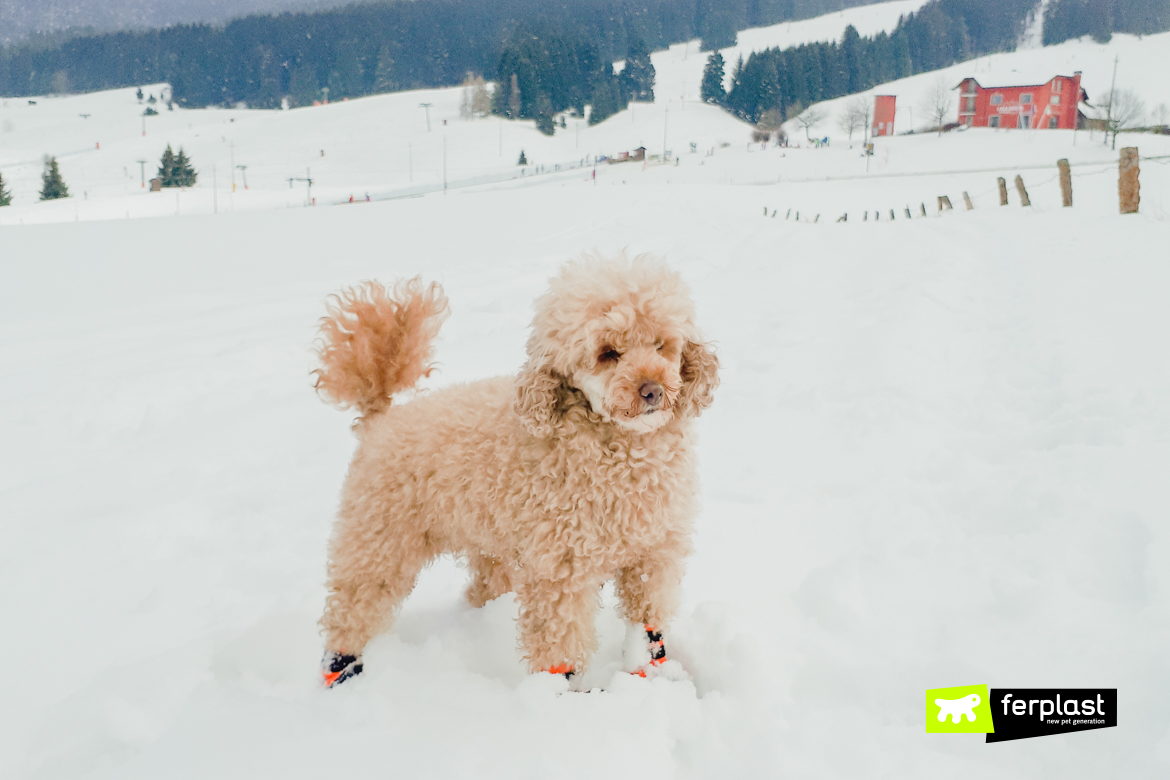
{"x": 579, "y": 470}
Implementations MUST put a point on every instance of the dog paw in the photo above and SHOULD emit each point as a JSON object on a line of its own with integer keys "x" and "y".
{"x": 336, "y": 668}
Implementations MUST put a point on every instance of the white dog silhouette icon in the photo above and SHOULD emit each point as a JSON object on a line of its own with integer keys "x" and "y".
{"x": 957, "y": 708}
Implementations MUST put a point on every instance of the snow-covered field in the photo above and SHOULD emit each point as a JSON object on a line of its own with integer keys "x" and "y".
{"x": 934, "y": 460}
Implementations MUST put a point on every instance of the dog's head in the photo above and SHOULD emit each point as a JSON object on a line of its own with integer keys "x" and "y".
{"x": 621, "y": 335}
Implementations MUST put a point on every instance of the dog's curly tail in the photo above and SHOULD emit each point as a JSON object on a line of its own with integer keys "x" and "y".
{"x": 376, "y": 341}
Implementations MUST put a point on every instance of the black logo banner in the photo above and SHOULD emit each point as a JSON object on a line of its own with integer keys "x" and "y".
{"x": 1022, "y": 713}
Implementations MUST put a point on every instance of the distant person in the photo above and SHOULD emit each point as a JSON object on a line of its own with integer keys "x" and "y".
{"x": 351, "y": 198}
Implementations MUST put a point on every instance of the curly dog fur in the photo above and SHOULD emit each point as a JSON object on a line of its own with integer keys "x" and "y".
{"x": 577, "y": 471}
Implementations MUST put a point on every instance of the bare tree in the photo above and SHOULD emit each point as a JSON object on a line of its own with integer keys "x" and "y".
{"x": 477, "y": 101}
{"x": 1126, "y": 112}
{"x": 811, "y": 117}
{"x": 938, "y": 103}
{"x": 855, "y": 116}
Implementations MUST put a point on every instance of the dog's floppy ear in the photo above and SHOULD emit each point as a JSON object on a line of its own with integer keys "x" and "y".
{"x": 539, "y": 399}
{"x": 700, "y": 377}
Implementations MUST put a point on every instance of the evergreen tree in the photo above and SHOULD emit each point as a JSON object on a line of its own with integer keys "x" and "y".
{"x": 5, "y": 195}
{"x": 384, "y": 72}
{"x": 139, "y": 94}
{"x": 52, "y": 185}
{"x": 544, "y": 115}
{"x": 523, "y": 160}
{"x": 637, "y": 79}
{"x": 185, "y": 175}
{"x": 166, "y": 168}
{"x": 711, "y": 89}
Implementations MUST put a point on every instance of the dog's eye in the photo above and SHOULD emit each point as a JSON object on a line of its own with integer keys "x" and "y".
{"x": 660, "y": 346}
{"x": 609, "y": 356}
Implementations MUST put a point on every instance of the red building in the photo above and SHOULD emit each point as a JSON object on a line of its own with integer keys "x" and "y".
{"x": 1052, "y": 106}
{"x": 884, "y": 108}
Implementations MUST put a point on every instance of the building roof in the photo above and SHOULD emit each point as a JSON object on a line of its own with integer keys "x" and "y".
{"x": 1016, "y": 80}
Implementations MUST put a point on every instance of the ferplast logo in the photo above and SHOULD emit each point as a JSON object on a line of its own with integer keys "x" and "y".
{"x": 962, "y": 710}
{"x": 1006, "y": 714}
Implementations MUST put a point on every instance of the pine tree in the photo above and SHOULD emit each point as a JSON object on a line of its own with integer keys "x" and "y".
{"x": 637, "y": 79}
{"x": 711, "y": 89}
{"x": 384, "y": 80}
{"x": 523, "y": 160}
{"x": 544, "y": 115}
{"x": 52, "y": 185}
{"x": 5, "y": 195}
{"x": 166, "y": 168}
{"x": 185, "y": 175}
{"x": 139, "y": 94}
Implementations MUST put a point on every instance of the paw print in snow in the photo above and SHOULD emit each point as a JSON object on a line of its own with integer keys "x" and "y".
{"x": 957, "y": 708}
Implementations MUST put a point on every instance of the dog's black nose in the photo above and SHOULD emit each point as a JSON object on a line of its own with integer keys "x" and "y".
{"x": 651, "y": 393}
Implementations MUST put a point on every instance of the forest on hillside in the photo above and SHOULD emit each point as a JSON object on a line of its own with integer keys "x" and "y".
{"x": 1067, "y": 19}
{"x": 365, "y": 49}
{"x": 939, "y": 34}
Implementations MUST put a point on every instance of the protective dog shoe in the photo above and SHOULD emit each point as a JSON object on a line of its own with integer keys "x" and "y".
{"x": 657, "y": 651}
{"x": 565, "y": 670}
{"x": 336, "y": 668}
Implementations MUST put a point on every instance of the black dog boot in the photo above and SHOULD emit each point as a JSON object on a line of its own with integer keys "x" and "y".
{"x": 657, "y": 650}
{"x": 336, "y": 668}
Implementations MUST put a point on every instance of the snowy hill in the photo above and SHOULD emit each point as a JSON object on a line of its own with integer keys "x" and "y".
{"x": 934, "y": 459}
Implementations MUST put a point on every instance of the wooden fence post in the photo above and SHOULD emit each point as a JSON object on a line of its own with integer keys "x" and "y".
{"x": 1002, "y": 191}
{"x": 1024, "y": 199}
{"x": 967, "y": 201}
{"x": 1129, "y": 186}
{"x": 1065, "y": 182}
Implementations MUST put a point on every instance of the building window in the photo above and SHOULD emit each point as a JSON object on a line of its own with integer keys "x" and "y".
{"x": 1053, "y": 122}
{"x": 1055, "y": 100}
{"x": 994, "y": 121}
{"x": 1058, "y": 86}
{"x": 1025, "y": 121}
{"x": 1026, "y": 98}
{"x": 996, "y": 100}
{"x": 971, "y": 105}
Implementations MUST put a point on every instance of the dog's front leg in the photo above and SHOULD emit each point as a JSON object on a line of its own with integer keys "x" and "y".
{"x": 647, "y": 592}
{"x": 647, "y": 589}
{"x": 556, "y": 622}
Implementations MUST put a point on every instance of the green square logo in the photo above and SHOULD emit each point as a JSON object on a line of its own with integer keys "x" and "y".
{"x": 962, "y": 710}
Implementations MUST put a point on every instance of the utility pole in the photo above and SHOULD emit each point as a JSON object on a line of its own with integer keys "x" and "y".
{"x": 665, "y": 116}
{"x": 142, "y": 169}
{"x": 427, "y": 108}
{"x": 244, "y": 173}
{"x": 1109, "y": 110}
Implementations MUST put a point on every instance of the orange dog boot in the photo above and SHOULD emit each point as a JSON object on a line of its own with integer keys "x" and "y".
{"x": 565, "y": 670}
{"x": 657, "y": 650}
{"x": 336, "y": 668}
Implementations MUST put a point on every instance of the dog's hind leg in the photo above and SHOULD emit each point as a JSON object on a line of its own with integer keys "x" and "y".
{"x": 370, "y": 575}
{"x": 490, "y": 579}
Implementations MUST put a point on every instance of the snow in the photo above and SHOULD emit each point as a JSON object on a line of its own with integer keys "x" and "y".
{"x": 1142, "y": 63}
{"x": 935, "y": 459}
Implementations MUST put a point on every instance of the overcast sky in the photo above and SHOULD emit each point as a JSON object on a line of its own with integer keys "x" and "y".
{"x": 18, "y": 18}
